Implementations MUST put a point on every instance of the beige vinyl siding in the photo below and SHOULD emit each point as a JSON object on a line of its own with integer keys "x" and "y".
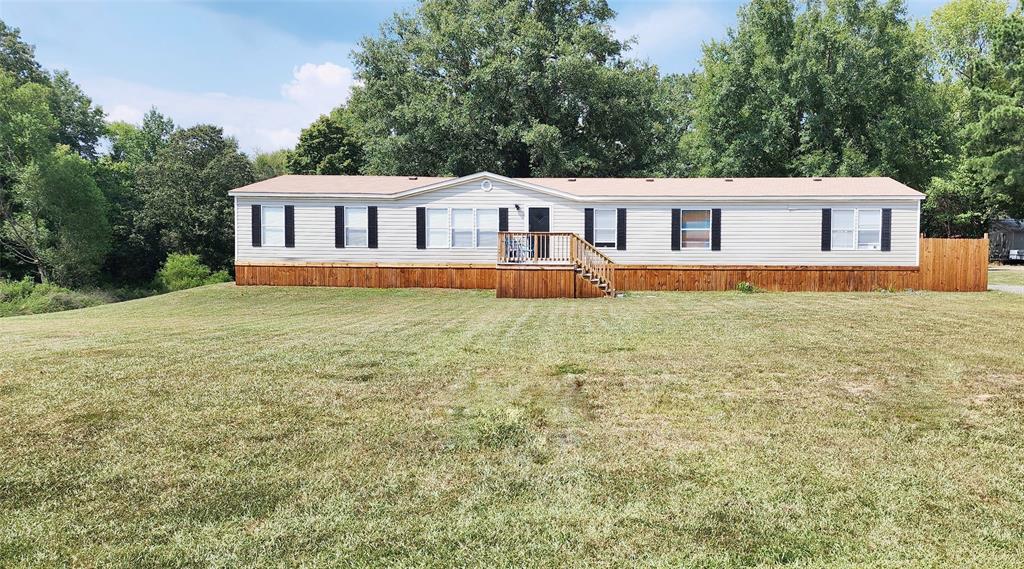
{"x": 764, "y": 233}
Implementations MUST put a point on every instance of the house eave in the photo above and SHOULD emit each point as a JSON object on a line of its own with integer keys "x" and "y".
{"x": 604, "y": 199}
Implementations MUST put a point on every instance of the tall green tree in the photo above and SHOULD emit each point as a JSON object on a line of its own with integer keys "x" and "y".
{"x": 52, "y": 214}
{"x": 865, "y": 96}
{"x": 841, "y": 88}
{"x": 138, "y": 145}
{"x": 961, "y": 33}
{"x": 266, "y": 165}
{"x": 995, "y": 142}
{"x": 978, "y": 88}
{"x": 18, "y": 58}
{"x": 746, "y": 109}
{"x": 58, "y": 219}
{"x": 328, "y": 146}
{"x": 81, "y": 122}
{"x": 520, "y": 87}
{"x": 26, "y": 127}
{"x": 185, "y": 193}
{"x": 679, "y": 156}
{"x": 136, "y": 251}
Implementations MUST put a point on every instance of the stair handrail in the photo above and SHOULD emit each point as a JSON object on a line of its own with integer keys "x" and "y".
{"x": 592, "y": 260}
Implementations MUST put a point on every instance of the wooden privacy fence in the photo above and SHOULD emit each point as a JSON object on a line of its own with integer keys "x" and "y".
{"x": 954, "y": 264}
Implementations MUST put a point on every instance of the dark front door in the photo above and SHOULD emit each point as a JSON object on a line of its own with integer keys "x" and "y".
{"x": 540, "y": 220}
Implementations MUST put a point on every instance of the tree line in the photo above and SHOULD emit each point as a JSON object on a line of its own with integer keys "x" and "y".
{"x": 85, "y": 202}
{"x": 540, "y": 88}
{"x": 826, "y": 88}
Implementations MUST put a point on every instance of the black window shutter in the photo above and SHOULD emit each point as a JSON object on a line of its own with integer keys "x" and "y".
{"x": 588, "y": 225}
{"x": 371, "y": 227}
{"x": 502, "y": 219}
{"x": 887, "y": 229}
{"x": 620, "y": 237}
{"x": 826, "y": 229}
{"x": 339, "y": 226}
{"x": 421, "y": 228}
{"x": 716, "y": 230}
{"x": 257, "y": 226}
{"x": 289, "y": 226}
{"x": 675, "y": 230}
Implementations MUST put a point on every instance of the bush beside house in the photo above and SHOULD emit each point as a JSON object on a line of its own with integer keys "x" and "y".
{"x": 186, "y": 271}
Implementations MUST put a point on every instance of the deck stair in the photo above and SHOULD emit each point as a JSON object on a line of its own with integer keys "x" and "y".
{"x": 596, "y": 280}
{"x": 554, "y": 249}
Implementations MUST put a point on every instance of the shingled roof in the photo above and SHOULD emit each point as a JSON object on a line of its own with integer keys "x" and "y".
{"x": 583, "y": 188}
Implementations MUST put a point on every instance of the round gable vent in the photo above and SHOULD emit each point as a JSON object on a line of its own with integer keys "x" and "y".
{"x": 486, "y": 185}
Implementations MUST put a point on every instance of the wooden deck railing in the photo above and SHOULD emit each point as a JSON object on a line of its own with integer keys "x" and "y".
{"x": 536, "y": 248}
{"x": 561, "y": 248}
{"x": 593, "y": 262}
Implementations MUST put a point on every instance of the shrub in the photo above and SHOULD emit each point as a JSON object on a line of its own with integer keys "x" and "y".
{"x": 185, "y": 271}
{"x": 11, "y": 291}
{"x": 27, "y": 297}
{"x": 220, "y": 276}
{"x": 748, "y": 287}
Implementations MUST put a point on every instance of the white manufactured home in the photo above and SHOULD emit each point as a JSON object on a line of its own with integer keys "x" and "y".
{"x": 577, "y": 236}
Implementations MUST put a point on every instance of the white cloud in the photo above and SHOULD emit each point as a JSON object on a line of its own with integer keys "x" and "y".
{"x": 319, "y": 85}
{"x": 258, "y": 123}
{"x": 675, "y": 31}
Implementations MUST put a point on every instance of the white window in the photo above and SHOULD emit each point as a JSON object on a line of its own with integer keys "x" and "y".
{"x": 606, "y": 227}
{"x": 356, "y": 223}
{"x": 843, "y": 228}
{"x": 695, "y": 229}
{"x": 437, "y": 227}
{"x": 272, "y": 223}
{"x": 462, "y": 227}
{"x": 869, "y": 229}
{"x": 486, "y": 228}
{"x": 857, "y": 229}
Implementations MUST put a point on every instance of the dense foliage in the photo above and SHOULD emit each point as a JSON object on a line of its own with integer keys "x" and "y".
{"x": 521, "y": 88}
{"x": 538, "y": 88}
{"x": 180, "y": 272}
{"x": 267, "y": 165}
{"x": 328, "y": 146}
{"x": 839, "y": 89}
{"x": 185, "y": 193}
{"x": 53, "y": 213}
{"x": 18, "y": 298}
{"x": 76, "y": 215}
{"x": 829, "y": 88}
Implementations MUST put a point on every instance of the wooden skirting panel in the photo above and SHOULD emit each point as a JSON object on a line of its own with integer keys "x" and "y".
{"x": 543, "y": 282}
{"x": 824, "y": 279}
{"x": 369, "y": 276}
{"x": 948, "y": 265}
{"x": 945, "y": 265}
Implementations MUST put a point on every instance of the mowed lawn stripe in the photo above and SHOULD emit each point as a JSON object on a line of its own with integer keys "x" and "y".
{"x": 258, "y": 425}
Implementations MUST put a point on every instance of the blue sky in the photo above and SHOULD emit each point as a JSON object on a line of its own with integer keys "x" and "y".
{"x": 263, "y": 70}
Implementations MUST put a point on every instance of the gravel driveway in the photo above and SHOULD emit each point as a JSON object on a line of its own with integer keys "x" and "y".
{"x": 1015, "y": 289}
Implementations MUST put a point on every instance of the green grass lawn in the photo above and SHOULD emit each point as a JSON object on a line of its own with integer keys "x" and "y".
{"x": 228, "y": 426}
{"x": 1007, "y": 275}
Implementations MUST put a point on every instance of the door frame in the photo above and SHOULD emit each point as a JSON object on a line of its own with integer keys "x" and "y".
{"x": 532, "y": 207}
